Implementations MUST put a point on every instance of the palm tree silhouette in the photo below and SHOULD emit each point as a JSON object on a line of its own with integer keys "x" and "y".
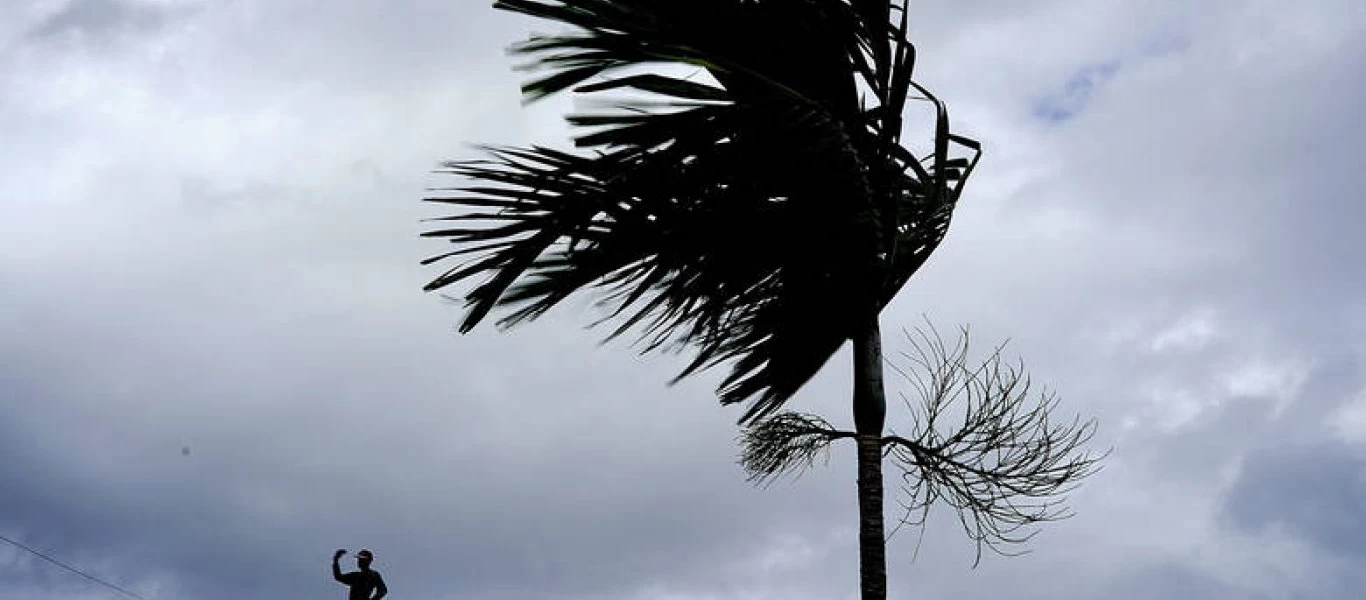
{"x": 747, "y": 195}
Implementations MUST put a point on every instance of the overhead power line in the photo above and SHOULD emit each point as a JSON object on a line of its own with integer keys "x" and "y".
{"x": 70, "y": 568}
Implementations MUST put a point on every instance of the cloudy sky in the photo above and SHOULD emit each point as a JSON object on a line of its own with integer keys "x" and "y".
{"x": 208, "y": 240}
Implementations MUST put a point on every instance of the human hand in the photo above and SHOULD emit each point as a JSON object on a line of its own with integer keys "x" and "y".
{"x": 338, "y": 554}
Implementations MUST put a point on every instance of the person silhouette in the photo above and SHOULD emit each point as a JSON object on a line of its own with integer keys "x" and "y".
{"x": 361, "y": 582}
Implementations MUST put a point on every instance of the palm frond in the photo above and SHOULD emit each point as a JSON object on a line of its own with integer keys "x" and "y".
{"x": 745, "y": 216}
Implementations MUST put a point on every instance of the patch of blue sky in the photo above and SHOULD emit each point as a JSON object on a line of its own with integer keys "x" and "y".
{"x": 1075, "y": 93}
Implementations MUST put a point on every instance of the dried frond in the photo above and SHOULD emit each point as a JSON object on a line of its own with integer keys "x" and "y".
{"x": 787, "y": 442}
{"x": 1000, "y": 459}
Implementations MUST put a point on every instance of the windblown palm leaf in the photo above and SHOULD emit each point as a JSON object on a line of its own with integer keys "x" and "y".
{"x": 746, "y": 211}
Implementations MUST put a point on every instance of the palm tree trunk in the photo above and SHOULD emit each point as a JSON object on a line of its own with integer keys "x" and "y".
{"x": 870, "y": 414}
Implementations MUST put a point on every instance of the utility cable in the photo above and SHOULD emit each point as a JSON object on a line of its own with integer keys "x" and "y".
{"x": 71, "y": 568}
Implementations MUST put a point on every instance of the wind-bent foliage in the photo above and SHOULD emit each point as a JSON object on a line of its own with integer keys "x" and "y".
{"x": 749, "y": 210}
{"x": 1004, "y": 464}
{"x": 745, "y": 195}
{"x": 998, "y": 460}
{"x": 786, "y": 442}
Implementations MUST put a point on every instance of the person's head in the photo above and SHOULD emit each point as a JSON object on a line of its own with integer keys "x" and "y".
{"x": 364, "y": 558}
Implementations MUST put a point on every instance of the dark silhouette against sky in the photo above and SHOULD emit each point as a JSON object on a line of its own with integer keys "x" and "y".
{"x": 364, "y": 582}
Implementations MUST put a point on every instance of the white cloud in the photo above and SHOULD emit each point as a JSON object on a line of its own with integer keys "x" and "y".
{"x": 1192, "y": 331}
{"x": 1349, "y": 421}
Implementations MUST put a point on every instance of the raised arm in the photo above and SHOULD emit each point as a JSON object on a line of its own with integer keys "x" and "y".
{"x": 336, "y": 570}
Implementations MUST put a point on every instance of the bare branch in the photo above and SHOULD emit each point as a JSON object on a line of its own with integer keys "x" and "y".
{"x": 1004, "y": 465}
{"x": 787, "y": 442}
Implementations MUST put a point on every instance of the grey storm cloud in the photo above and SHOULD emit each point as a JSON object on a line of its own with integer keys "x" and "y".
{"x": 1316, "y": 492}
{"x": 208, "y": 239}
{"x": 100, "y": 19}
